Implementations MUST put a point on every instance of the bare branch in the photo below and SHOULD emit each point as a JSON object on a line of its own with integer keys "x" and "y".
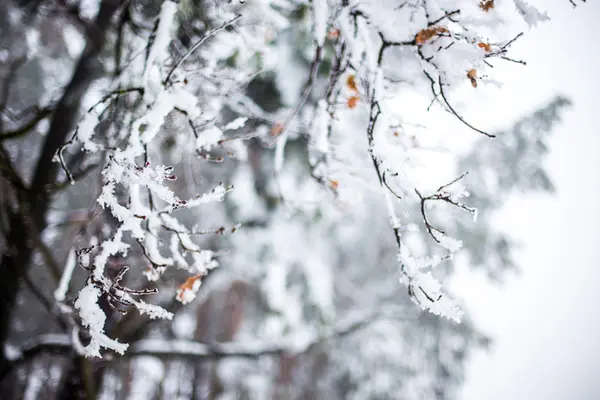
{"x": 461, "y": 119}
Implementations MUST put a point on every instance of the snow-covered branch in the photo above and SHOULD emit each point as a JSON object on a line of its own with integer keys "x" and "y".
{"x": 197, "y": 350}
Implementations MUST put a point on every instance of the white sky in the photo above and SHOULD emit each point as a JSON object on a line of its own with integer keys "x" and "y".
{"x": 545, "y": 321}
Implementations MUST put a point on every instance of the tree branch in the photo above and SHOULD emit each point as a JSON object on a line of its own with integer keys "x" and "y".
{"x": 62, "y": 343}
{"x": 67, "y": 109}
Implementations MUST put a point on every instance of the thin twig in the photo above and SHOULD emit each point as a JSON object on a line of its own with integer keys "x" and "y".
{"x": 198, "y": 44}
{"x": 461, "y": 119}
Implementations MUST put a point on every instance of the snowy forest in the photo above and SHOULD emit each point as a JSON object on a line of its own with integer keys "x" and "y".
{"x": 228, "y": 199}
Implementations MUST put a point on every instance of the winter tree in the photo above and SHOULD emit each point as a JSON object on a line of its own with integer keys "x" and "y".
{"x": 245, "y": 199}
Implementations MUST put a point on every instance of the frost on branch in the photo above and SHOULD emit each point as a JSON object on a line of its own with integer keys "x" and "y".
{"x": 337, "y": 121}
{"x": 93, "y": 318}
{"x": 138, "y": 194}
{"x": 361, "y": 74}
{"x": 530, "y": 14}
{"x": 364, "y": 101}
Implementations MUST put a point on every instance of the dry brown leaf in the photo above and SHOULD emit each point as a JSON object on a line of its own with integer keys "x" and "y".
{"x": 485, "y": 46}
{"x": 351, "y": 82}
{"x": 486, "y": 5}
{"x": 187, "y": 285}
{"x": 353, "y": 101}
{"x": 426, "y": 34}
{"x": 472, "y": 75}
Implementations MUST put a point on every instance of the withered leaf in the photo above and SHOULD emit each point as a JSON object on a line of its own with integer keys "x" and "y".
{"x": 486, "y": 5}
{"x": 472, "y": 75}
{"x": 351, "y": 82}
{"x": 429, "y": 33}
{"x": 485, "y": 46}
{"x": 353, "y": 101}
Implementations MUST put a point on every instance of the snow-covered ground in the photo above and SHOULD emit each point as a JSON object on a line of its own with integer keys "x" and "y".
{"x": 545, "y": 320}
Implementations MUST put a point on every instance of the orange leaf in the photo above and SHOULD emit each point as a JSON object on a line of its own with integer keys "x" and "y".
{"x": 187, "y": 286}
{"x": 485, "y": 46}
{"x": 353, "y": 101}
{"x": 472, "y": 75}
{"x": 351, "y": 82}
{"x": 334, "y": 184}
{"x": 428, "y": 33}
{"x": 486, "y": 5}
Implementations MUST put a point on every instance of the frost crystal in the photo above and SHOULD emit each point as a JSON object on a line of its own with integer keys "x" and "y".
{"x": 530, "y": 14}
{"x": 94, "y": 318}
{"x": 367, "y": 162}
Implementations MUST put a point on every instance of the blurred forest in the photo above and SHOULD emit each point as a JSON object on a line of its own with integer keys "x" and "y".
{"x": 305, "y": 303}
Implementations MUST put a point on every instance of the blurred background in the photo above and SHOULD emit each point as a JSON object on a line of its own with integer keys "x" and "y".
{"x": 306, "y": 302}
{"x": 544, "y": 318}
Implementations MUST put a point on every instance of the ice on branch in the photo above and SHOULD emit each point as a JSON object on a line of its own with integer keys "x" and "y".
{"x": 319, "y": 129}
{"x": 236, "y": 124}
{"x": 366, "y": 76}
{"x": 159, "y": 50}
{"x": 63, "y": 287}
{"x": 93, "y": 318}
{"x": 85, "y": 131}
{"x": 108, "y": 248}
{"x": 117, "y": 295}
{"x": 209, "y": 138}
{"x": 217, "y": 194}
{"x": 203, "y": 261}
{"x": 136, "y": 191}
{"x": 449, "y": 243}
{"x": 424, "y": 290}
{"x": 151, "y": 244}
{"x": 320, "y": 16}
{"x": 530, "y": 14}
{"x": 146, "y": 128}
{"x": 122, "y": 172}
{"x": 151, "y": 310}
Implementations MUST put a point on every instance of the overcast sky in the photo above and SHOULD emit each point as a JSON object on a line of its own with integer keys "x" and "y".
{"x": 545, "y": 321}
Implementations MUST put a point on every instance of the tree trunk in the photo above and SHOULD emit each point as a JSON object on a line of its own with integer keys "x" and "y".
{"x": 17, "y": 254}
{"x": 16, "y": 259}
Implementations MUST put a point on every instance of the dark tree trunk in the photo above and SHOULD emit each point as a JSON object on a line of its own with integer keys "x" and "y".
{"x": 18, "y": 244}
{"x": 16, "y": 256}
